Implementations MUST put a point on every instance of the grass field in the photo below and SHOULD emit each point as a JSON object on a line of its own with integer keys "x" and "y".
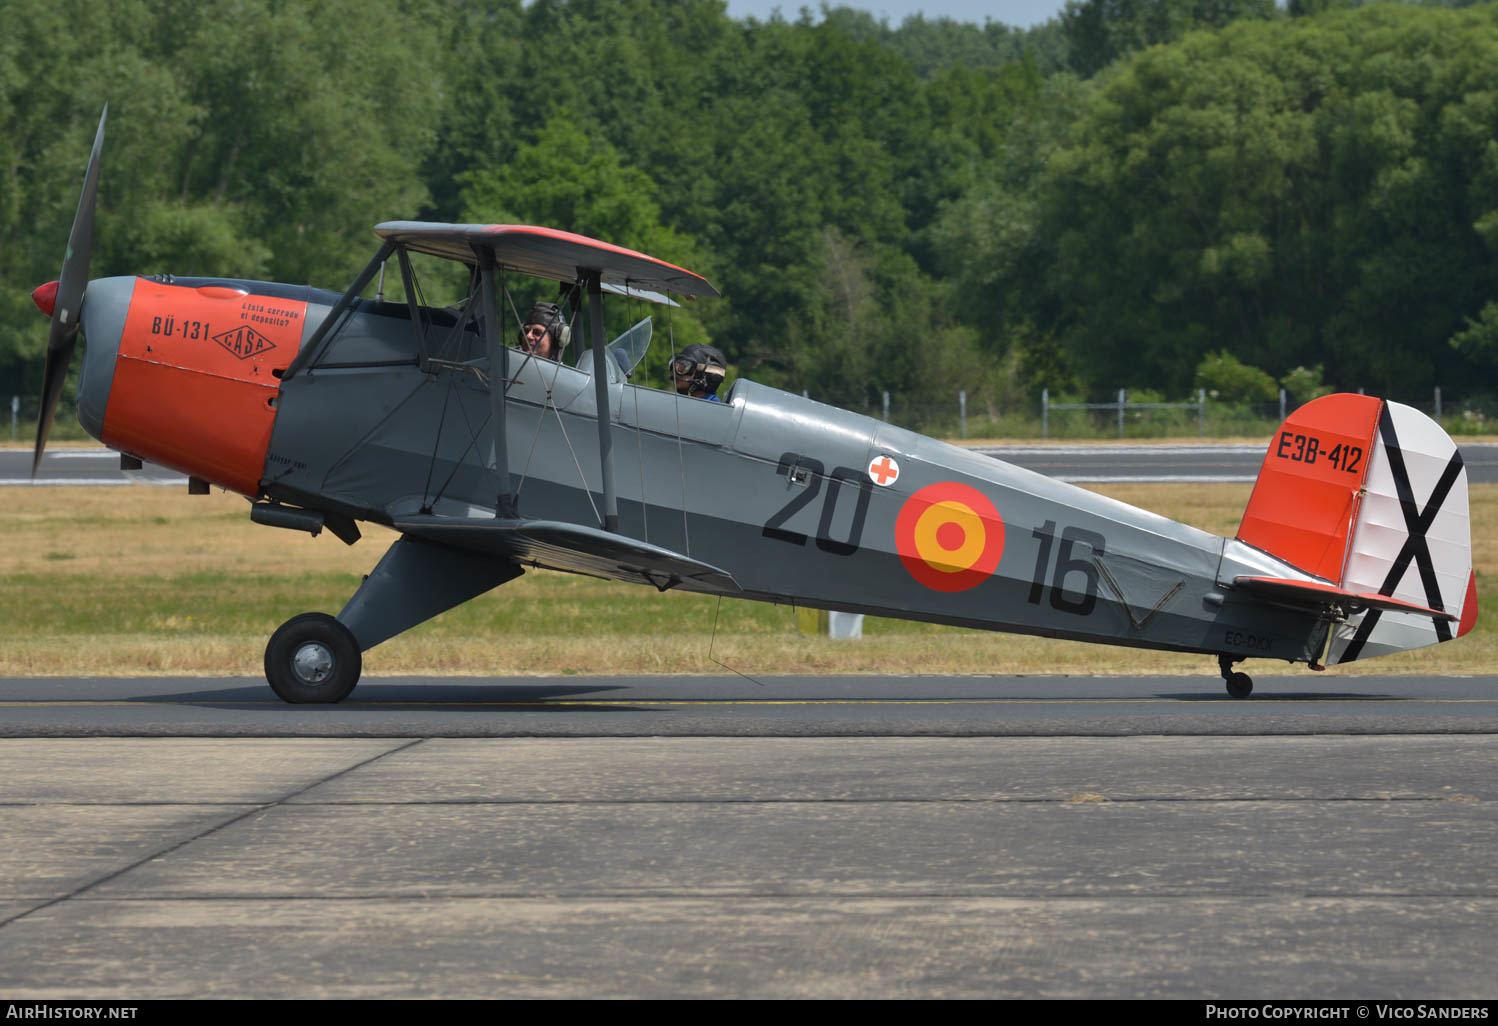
{"x": 147, "y": 580}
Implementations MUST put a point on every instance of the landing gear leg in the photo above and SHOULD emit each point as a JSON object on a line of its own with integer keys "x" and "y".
{"x": 317, "y": 658}
{"x": 1240, "y": 685}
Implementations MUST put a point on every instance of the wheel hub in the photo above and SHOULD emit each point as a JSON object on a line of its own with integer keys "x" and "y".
{"x": 312, "y": 663}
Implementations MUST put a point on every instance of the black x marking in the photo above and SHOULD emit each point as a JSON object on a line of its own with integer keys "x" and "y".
{"x": 1417, "y": 522}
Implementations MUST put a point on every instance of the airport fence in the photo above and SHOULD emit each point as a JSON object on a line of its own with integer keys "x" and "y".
{"x": 1142, "y": 414}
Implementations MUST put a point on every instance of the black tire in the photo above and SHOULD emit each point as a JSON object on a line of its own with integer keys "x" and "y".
{"x": 1240, "y": 685}
{"x": 312, "y": 658}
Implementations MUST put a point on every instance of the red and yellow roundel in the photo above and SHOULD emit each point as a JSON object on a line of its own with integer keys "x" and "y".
{"x": 949, "y": 536}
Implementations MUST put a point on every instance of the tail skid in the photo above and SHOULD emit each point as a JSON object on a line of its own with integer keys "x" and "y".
{"x": 1371, "y": 497}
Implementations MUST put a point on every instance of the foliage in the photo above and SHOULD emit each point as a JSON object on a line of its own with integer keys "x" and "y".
{"x": 1479, "y": 339}
{"x": 921, "y": 209}
{"x": 1227, "y": 379}
{"x": 1099, "y": 32}
{"x": 1304, "y": 384}
{"x": 1291, "y": 191}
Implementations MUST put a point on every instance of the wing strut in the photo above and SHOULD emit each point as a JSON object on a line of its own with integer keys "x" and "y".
{"x": 309, "y": 352}
{"x": 593, "y": 281}
{"x": 499, "y": 381}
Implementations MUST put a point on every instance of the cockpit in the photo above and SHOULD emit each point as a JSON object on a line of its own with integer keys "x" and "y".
{"x": 450, "y": 339}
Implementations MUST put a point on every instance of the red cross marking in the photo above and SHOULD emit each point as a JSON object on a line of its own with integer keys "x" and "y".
{"x": 883, "y": 470}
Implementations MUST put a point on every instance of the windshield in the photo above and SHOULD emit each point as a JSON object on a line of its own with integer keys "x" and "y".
{"x": 629, "y": 348}
{"x": 625, "y": 352}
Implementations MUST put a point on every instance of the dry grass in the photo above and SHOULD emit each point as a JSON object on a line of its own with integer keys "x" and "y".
{"x": 150, "y": 530}
{"x": 146, "y": 580}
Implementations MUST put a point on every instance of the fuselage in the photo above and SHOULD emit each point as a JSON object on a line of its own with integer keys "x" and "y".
{"x": 799, "y": 501}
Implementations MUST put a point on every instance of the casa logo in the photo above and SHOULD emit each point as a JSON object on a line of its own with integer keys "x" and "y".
{"x": 949, "y": 536}
{"x": 244, "y": 342}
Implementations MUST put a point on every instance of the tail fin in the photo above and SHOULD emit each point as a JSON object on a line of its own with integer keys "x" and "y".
{"x": 1371, "y": 496}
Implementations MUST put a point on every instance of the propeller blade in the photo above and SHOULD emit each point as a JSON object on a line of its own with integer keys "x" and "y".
{"x": 72, "y": 282}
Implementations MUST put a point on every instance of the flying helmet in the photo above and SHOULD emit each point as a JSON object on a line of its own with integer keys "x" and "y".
{"x": 704, "y": 365}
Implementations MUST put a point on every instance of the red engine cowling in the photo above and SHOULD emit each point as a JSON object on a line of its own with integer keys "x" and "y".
{"x": 196, "y": 379}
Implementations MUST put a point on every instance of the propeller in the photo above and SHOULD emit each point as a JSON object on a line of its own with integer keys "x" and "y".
{"x": 68, "y": 298}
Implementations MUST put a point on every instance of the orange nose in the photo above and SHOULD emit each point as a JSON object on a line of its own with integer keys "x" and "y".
{"x": 45, "y": 297}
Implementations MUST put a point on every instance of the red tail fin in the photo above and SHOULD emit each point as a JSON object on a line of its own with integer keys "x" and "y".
{"x": 1306, "y": 498}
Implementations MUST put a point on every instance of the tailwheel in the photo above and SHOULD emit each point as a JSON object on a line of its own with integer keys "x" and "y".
{"x": 312, "y": 658}
{"x": 1240, "y": 685}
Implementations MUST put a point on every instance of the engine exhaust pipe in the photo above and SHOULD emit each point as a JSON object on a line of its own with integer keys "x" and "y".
{"x": 273, "y": 514}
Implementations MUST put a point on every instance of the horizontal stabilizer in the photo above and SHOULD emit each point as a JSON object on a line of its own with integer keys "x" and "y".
{"x": 1315, "y": 593}
{"x": 560, "y": 546}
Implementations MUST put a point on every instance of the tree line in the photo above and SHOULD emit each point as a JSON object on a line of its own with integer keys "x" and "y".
{"x": 1150, "y": 194}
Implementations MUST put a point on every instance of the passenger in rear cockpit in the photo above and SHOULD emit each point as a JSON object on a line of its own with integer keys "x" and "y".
{"x": 545, "y": 332}
{"x": 699, "y": 370}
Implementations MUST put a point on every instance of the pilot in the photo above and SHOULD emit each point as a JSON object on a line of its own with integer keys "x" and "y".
{"x": 699, "y": 370}
{"x": 545, "y": 333}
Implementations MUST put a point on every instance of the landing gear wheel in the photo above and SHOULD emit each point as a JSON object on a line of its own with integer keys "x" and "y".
{"x": 1240, "y": 685}
{"x": 312, "y": 658}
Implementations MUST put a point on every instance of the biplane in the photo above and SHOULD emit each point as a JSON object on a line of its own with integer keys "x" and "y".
{"x": 327, "y": 410}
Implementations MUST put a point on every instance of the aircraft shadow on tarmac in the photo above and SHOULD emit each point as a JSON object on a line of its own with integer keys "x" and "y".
{"x": 408, "y": 696}
{"x": 558, "y": 697}
{"x": 1284, "y": 696}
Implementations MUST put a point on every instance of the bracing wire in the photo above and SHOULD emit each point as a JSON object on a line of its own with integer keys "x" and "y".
{"x": 458, "y": 463}
{"x": 427, "y": 498}
{"x": 714, "y": 641}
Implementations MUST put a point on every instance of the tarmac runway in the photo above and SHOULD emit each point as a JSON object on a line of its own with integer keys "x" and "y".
{"x": 1331, "y": 837}
{"x": 775, "y": 706}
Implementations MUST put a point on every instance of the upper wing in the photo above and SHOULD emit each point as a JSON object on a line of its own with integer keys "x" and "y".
{"x": 546, "y": 253}
{"x": 561, "y": 546}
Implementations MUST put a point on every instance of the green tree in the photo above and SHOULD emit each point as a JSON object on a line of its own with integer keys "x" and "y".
{"x": 1099, "y": 32}
{"x": 1304, "y": 384}
{"x": 1292, "y": 192}
{"x": 566, "y": 180}
{"x": 1226, "y": 378}
{"x": 47, "y": 123}
{"x": 308, "y": 127}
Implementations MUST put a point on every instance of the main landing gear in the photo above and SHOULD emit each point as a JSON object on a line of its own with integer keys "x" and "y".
{"x": 312, "y": 658}
{"x": 1240, "y": 685}
{"x": 315, "y": 658}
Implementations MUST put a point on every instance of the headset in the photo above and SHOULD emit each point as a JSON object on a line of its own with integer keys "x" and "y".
{"x": 549, "y": 316}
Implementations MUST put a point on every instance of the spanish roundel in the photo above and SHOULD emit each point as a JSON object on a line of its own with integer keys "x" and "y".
{"x": 949, "y": 536}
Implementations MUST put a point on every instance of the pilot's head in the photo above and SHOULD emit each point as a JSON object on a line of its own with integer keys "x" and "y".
{"x": 699, "y": 370}
{"x": 544, "y": 332}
